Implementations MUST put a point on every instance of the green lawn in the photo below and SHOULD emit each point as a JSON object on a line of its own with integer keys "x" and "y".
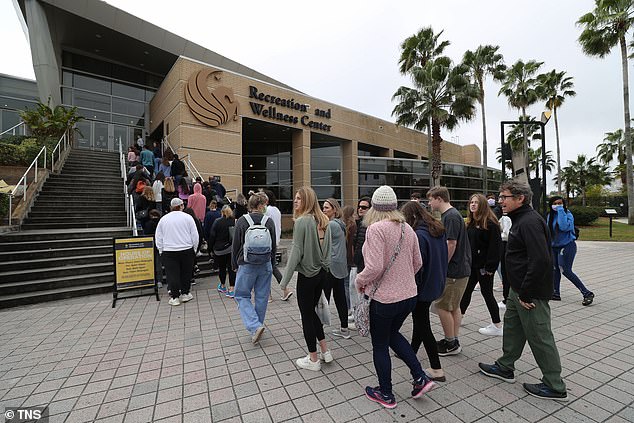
{"x": 600, "y": 231}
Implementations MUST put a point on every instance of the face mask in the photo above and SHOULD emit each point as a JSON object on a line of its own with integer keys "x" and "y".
{"x": 491, "y": 202}
{"x": 555, "y": 207}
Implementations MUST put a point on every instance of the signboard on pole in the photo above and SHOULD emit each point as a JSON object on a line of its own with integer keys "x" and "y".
{"x": 133, "y": 265}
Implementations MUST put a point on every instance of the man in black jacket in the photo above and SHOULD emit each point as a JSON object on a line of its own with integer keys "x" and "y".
{"x": 530, "y": 274}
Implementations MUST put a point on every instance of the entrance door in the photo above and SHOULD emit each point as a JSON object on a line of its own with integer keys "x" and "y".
{"x": 84, "y": 136}
{"x": 120, "y": 136}
{"x": 101, "y": 136}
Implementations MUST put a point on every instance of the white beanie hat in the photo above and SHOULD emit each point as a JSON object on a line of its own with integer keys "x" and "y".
{"x": 384, "y": 199}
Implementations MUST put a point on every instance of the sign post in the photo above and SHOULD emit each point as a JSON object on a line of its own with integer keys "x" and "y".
{"x": 133, "y": 266}
{"x": 611, "y": 213}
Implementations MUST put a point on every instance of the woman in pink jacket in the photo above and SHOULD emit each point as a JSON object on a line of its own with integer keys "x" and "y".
{"x": 392, "y": 258}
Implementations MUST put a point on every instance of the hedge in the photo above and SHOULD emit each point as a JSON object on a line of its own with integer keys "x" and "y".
{"x": 4, "y": 204}
{"x": 23, "y": 154}
{"x": 585, "y": 216}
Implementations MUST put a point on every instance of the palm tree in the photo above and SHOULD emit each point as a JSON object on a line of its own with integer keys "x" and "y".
{"x": 417, "y": 50}
{"x": 584, "y": 172}
{"x": 421, "y": 47}
{"x": 614, "y": 145}
{"x": 481, "y": 63}
{"x": 605, "y": 27}
{"x": 519, "y": 88}
{"x": 45, "y": 121}
{"x": 554, "y": 87}
{"x": 443, "y": 94}
{"x": 535, "y": 158}
{"x": 566, "y": 177}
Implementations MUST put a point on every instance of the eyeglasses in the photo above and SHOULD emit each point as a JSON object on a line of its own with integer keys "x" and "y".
{"x": 363, "y": 207}
{"x": 504, "y": 197}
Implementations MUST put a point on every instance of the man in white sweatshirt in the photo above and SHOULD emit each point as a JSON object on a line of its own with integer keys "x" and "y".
{"x": 176, "y": 240}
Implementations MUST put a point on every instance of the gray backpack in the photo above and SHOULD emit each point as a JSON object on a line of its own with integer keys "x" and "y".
{"x": 257, "y": 242}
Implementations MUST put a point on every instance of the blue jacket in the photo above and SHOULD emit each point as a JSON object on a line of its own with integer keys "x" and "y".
{"x": 564, "y": 230}
{"x": 430, "y": 279}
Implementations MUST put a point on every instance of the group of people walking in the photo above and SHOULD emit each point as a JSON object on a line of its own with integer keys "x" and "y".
{"x": 406, "y": 263}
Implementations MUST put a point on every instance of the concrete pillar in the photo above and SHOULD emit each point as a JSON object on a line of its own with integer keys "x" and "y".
{"x": 47, "y": 71}
{"x": 301, "y": 159}
{"x": 350, "y": 172}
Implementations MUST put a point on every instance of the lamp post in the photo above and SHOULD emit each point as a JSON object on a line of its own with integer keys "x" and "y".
{"x": 506, "y": 150}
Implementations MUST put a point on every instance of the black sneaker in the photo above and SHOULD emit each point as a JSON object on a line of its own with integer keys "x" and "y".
{"x": 422, "y": 385}
{"x": 555, "y": 297}
{"x": 452, "y": 348}
{"x": 375, "y": 394}
{"x": 541, "y": 390}
{"x": 587, "y": 300}
{"x": 493, "y": 370}
{"x": 442, "y": 346}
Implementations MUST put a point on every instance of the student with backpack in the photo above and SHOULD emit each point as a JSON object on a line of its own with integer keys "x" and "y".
{"x": 253, "y": 257}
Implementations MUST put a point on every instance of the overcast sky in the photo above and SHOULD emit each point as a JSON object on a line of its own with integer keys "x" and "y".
{"x": 346, "y": 52}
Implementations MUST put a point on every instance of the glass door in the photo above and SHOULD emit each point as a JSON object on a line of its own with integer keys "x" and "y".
{"x": 101, "y": 135}
{"x": 84, "y": 135}
{"x": 120, "y": 136}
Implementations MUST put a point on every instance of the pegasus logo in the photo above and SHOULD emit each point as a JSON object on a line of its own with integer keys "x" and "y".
{"x": 215, "y": 107}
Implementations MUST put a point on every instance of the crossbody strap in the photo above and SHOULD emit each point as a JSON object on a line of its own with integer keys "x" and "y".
{"x": 397, "y": 250}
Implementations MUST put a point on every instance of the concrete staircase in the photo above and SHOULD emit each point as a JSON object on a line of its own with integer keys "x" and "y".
{"x": 65, "y": 246}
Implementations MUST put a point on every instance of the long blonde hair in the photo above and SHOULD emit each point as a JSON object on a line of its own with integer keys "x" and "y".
{"x": 310, "y": 206}
{"x": 168, "y": 186}
{"x": 148, "y": 193}
{"x": 373, "y": 216}
{"x": 483, "y": 215}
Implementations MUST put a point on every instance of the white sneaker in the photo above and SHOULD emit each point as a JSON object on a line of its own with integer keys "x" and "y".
{"x": 186, "y": 297}
{"x": 352, "y": 326}
{"x": 308, "y": 364}
{"x": 491, "y": 330}
{"x": 501, "y": 305}
{"x": 350, "y": 318}
{"x": 343, "y": 332}
{"x": 326, "y": 356}
{"x": 174, "y": 302}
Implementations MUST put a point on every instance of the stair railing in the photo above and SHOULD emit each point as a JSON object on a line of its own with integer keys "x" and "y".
{"x": 60, "y": 148}
{"x": 129, "y": 200}
{"x": 13, "y": 129}
{"x": 191, "y": 169}
{"x": 24, "y": 179}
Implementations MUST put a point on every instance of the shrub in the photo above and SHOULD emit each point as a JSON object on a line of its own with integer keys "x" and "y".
{"x": 24, "y": 153}
{"x": 585, "y": 216}
{"x": 4, "y": 205}
{"x": 10, "y": 155}
{"x": 13, "y": 139}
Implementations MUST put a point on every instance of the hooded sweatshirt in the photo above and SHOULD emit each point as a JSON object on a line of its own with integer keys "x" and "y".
{"x": 197, "y": 202}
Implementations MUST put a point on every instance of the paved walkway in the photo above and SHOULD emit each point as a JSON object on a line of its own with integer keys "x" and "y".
{"x": 145, "y": 361}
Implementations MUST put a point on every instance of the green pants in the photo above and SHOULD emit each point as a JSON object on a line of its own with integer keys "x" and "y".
{"x": 521, "y": 325}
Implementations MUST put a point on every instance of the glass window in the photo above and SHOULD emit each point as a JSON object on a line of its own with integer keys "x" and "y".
{"x": 91, "y": 100}
{"x": 376, "y": 165}
{"x": 67, "y": 96}
{"x": 128, "y": 91}
{"x": 149, "y": 95}
{"x": 325, "y": 178}
{"x": 374, "y": 179}
{"x": 91, "y": 83}
{"x": 325, "y": 150}
{"x": 326, "y": 163}
{"x": 16, "y": 104}
{"x": 67, "y": 78}
{"x": 9, "y": 119}
{"x": 128, "y": 107}
{"x": 474, "y": 172}
{"x": 128, "y": 120}
{"x": 94, "y": 115}
{"x": 324, "y": 192}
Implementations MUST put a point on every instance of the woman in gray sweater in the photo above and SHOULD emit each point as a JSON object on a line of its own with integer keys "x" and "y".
{"x": 310, "y": 256}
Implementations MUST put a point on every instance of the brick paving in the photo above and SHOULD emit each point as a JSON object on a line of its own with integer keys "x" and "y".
{"x": 145, "y": 361}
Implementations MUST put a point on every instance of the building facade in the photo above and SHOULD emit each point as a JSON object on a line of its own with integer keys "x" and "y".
{"x": 229, "y": 120}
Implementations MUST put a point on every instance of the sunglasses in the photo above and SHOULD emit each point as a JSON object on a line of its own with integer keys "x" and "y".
{"x": 363, "y": 207}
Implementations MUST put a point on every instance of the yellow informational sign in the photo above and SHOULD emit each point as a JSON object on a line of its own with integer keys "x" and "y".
{"x": 134, "y": 262}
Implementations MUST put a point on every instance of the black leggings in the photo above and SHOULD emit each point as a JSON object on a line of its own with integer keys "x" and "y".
{"x": 224, "y": 267}
{"x": 339, "y": 293}
{"x": 308, "y": 293}
{"x": 422, "y": 333}
{"x": 179, "y": 267}
{"x": 486, "y": 289}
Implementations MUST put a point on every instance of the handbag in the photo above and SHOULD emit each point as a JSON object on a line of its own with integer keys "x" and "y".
{"x": 323, "y": 310}
{"x": 204, "y": 248}
{"x": 362, "y": 310}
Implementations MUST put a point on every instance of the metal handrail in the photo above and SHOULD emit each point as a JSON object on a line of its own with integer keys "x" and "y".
{"x": 59, "y": 146}
{"x": 12, "y": 129}
{"x": 23, "y": 180}
{"x": 191, "y": 169}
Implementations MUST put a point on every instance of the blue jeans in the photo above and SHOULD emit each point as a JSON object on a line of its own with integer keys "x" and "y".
{"x": 256, "y": 278}
{"x": 385, "y": 322}
{"x": 563, "y": 257}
